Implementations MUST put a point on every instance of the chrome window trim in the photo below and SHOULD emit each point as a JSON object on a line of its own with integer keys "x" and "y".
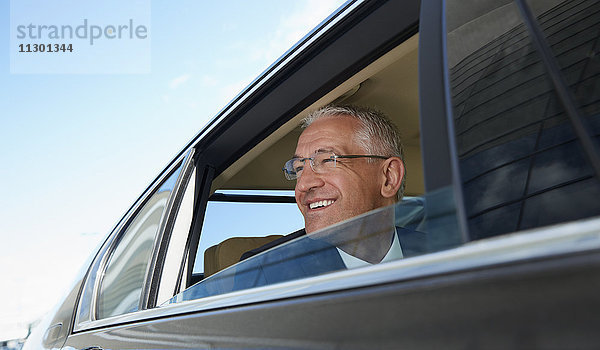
{"x": 163, "y": 237}
{"x": 176, "y": 245}
{"x": 541, "y": 243}
{"x": 438, "y": 144}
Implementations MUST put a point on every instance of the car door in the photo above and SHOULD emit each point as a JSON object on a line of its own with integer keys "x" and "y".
{"x": 512, "y": 260}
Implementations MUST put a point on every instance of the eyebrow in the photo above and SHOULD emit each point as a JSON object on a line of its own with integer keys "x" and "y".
{"x": 317, "y": 151}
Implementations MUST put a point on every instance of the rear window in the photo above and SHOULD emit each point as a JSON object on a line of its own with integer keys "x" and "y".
{"x": 521, "y": 161}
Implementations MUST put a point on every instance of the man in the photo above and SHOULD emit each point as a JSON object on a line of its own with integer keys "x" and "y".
{"x": 356, "y": 166}
{"x": 349, "y": 170}
{"x": 348, "y": 161}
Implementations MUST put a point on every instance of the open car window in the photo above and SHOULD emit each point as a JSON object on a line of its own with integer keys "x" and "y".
{"x": 251, "y": 204}
{"x": 413, "y": 227}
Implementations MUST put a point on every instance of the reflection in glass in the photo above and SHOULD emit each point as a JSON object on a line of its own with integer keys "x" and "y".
{"x": 123, "y": 279}
{"x": 572, "y": 31}
{"x": 521, "y": 163}
{"x": 251, "y": 220}
{"x": 413, "y": 227}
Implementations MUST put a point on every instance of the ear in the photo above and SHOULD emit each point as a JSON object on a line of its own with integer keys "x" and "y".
{"x": 393, "y": 172}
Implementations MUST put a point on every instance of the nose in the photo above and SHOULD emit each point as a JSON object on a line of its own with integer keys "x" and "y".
{"x": 309, "y": 179}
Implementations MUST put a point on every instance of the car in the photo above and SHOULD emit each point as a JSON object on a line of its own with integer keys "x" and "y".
{"x": 498, "y": 103}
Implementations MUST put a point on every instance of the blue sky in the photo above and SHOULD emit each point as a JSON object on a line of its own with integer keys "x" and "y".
{"x": 77, "y": 149}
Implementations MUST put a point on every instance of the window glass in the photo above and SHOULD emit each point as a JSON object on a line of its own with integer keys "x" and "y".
{"x": 122, "y": 282}
{"x": 521, "y": 164}
{"x": 413, "y": 227}
{"x": 226, "y": 219}
{"x": 571, "y": 29}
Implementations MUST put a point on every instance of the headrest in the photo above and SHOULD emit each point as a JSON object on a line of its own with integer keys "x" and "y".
{"x": 228, "y": 252}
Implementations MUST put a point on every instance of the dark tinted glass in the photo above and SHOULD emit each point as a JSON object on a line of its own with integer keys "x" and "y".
{"x": 522, "y": 165}
{"x": 123, "y": 278}
{"x": 572, "y": 31}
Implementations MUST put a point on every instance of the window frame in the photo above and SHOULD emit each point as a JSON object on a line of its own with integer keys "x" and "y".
{"x": 204, "y": 176}
{"x": 440, "y": 160}
{"x": 224, "y": 135}
{"x": 165, "y": 232}
{"x": 265, "y": 104}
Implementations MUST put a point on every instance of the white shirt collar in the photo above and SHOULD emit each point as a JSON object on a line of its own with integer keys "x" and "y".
{"x": 352, "y": 262}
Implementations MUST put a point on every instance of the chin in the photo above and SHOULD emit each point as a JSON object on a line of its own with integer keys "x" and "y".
{"x": 314, "y": 228}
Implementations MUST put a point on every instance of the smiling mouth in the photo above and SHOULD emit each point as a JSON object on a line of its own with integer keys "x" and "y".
{"x": 320, "y": 204}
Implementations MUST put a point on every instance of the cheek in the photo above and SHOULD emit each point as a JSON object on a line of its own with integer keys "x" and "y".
{"x": 338, "y": 184}
{"x": 350, "y": 190}
{"x": 297, "y": 195}
{"x": 363, "y": 191}
{"x": 353, "y": 182}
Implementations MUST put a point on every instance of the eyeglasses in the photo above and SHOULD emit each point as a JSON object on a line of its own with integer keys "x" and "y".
{"x": 320, "y": 163}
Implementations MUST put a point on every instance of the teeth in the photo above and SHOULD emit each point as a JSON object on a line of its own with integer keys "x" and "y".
{"x": 320, "y": 204}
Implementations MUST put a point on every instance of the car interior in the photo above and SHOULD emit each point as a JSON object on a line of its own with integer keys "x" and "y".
{"x": 389, "y": 84}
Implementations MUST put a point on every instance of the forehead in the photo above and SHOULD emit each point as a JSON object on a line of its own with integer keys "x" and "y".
{"x": 336, "y": 133}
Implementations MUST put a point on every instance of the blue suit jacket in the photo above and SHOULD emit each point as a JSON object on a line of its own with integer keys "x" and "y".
{"x": 297, "y": 259}
{"x": 305, "y": 258}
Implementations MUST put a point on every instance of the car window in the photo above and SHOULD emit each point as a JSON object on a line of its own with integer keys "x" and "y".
{"x": 412, "y": 227}
{"x": 237, "y": 236}
{"x": 249, "y": 219}
{"x": 522, "y": 163}
{"x": 237, "y": 214}
{"x": 121, "y": 282}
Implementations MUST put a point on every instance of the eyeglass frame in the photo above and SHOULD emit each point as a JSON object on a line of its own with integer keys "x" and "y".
{"x": 335, "y": 157}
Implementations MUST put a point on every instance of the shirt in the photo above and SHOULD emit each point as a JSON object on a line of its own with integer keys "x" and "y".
{"x": 353, "y": 262}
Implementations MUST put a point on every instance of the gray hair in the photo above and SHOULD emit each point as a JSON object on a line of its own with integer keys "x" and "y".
{"x": 377, "y": 134}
